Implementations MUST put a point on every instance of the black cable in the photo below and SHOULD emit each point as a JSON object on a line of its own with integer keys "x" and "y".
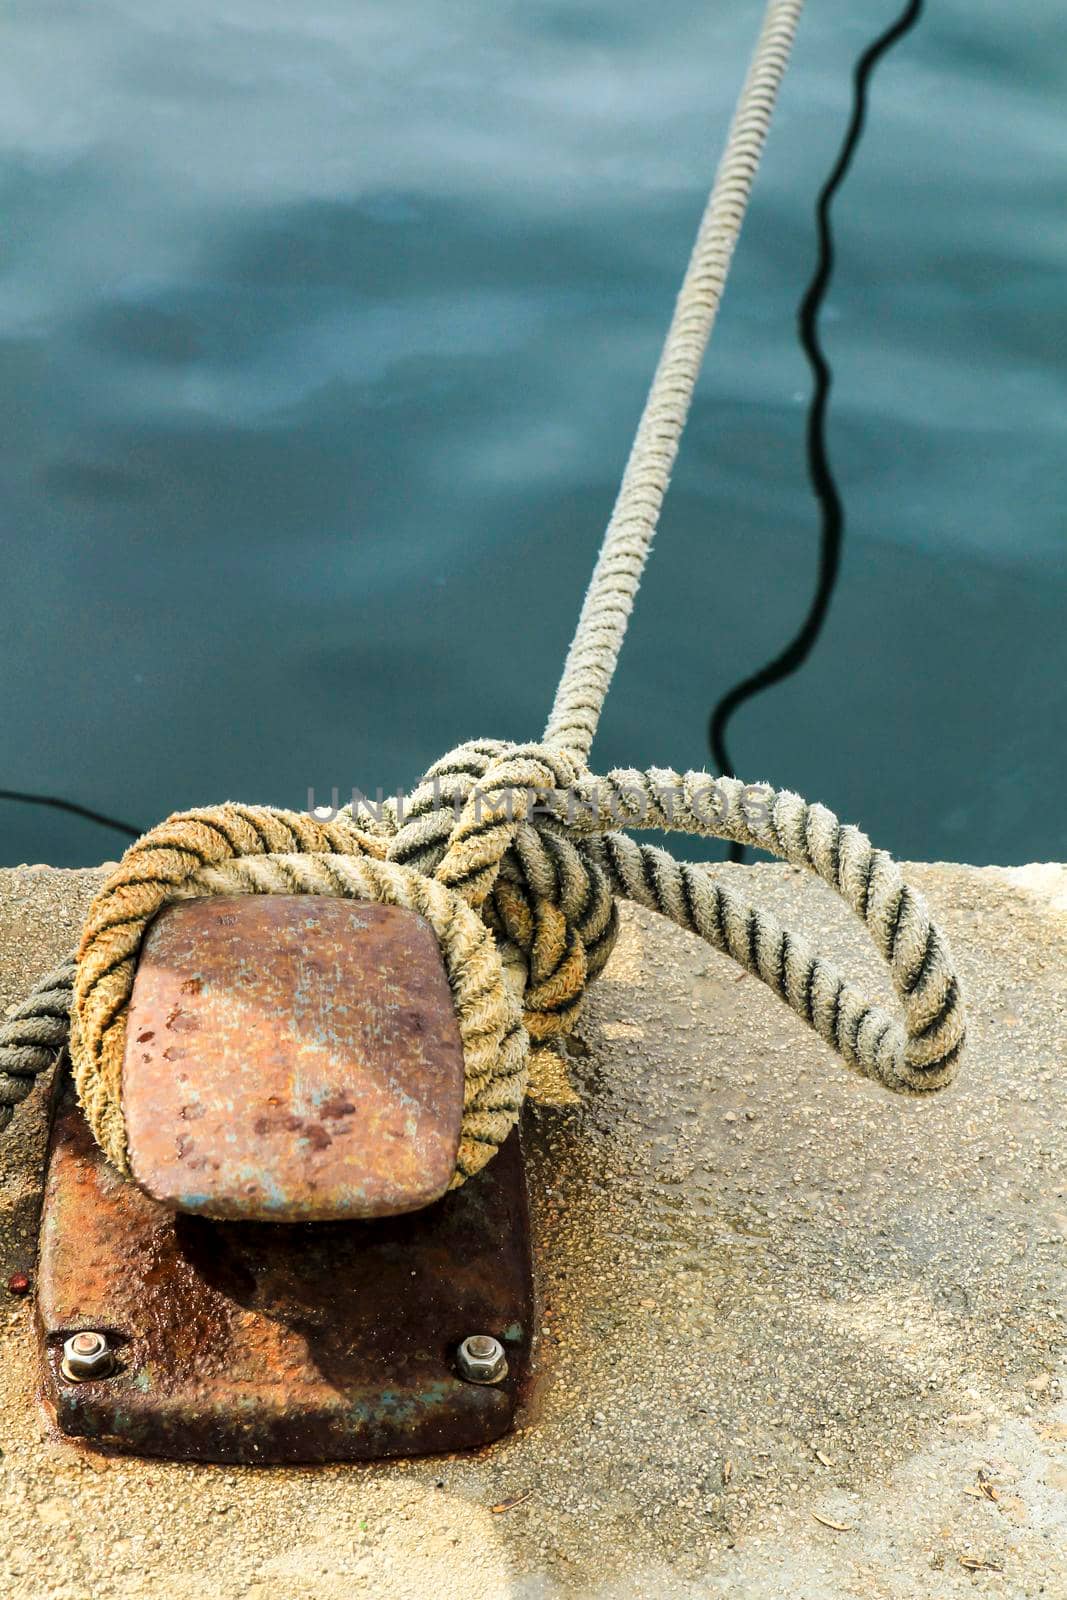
{"x": 74, "y": 808}
{"x": 819, "y": 470}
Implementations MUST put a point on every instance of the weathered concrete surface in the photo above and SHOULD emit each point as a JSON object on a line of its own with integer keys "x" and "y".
{"x": 772, "y": 1294}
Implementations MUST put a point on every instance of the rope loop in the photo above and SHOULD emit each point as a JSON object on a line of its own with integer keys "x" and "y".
{"x": 514, "y": 855}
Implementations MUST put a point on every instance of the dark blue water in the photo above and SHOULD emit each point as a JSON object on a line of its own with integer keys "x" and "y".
{"x": 324, "y": 330}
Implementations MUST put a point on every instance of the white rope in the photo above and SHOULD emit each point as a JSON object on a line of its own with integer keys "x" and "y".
{"x": 590, "y": 663}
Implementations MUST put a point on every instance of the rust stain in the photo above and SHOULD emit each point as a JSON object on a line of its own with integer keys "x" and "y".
{"x": 320, "y": 1055}
{"x": 294, "y": 1342}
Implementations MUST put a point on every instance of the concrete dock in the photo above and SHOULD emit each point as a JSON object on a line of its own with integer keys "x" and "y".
{"x": 799, "y": 1339}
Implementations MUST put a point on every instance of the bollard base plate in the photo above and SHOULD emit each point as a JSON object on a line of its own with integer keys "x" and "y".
{"x": 279, "y": 1342}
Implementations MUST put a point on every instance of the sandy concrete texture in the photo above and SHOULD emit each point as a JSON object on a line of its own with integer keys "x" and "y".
{"x": 798, "y": 1338}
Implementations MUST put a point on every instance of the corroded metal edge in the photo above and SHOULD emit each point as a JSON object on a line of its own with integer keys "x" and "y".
{"x": 267, "y": 1342}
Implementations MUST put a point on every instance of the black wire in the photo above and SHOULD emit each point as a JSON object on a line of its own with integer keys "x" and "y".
{"x": 819, "y": 470}
{"x": 74, "y": 808}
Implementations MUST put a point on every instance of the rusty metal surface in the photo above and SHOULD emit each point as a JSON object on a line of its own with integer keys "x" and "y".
{"x": 253, "y": 1342}
{"x": 292, "y": 1057}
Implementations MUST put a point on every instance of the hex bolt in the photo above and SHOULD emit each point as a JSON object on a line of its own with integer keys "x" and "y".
{"x": 481, "y": 1359}
{"x": 87, "y": 1355}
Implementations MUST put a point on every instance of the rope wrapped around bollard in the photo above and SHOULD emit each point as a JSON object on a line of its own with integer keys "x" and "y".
{"x": 512, "y": 853}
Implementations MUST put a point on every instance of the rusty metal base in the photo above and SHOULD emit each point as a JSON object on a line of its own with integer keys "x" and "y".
{"x": 271, "y": 1342}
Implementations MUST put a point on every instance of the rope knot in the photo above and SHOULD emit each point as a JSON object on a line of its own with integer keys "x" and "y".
{"x": 512, "y": 854}
{"x": 523, "y": 920}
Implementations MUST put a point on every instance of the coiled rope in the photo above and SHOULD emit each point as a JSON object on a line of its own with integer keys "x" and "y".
{"x": 513, "y": 852}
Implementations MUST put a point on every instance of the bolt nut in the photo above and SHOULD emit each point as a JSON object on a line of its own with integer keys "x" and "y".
{"x": 481, "y": 1359}
{"x": 87, "y": 1355}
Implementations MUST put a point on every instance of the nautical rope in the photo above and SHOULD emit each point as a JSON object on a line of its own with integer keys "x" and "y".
{"x": 609, "y": 599}
{"x": 234, "y": 849}
{"x": 512, "y": 852}
{"x": 33, "y": 1035}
